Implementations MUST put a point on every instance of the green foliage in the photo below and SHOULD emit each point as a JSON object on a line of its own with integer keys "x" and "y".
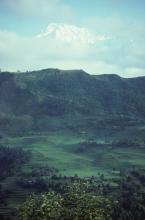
{"x": 131, "y": 197}
{"x": 11, "y": 159}
{"x": 56, "y": 93}
{"x": 75, "y": 204}
{"x": 47, "y": 206}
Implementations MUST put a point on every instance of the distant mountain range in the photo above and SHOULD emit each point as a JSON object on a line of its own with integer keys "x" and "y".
{"x": 53, "y": 98}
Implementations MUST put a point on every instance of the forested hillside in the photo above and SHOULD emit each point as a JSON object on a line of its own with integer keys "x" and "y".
{"x": 33, "y": 100}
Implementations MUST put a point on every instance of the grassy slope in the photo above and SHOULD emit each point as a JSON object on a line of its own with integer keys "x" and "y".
{"x": 57, "y": 149}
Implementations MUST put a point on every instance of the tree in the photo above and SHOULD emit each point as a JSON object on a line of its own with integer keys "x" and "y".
{"x": 74, "y": 204}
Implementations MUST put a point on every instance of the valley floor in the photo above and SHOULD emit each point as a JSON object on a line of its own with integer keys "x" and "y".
{"x": 67, "y": 154}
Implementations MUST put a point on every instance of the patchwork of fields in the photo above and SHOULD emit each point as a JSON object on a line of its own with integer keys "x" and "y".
{"x": 60, "y": 150}
{"x": 68, "y": 154}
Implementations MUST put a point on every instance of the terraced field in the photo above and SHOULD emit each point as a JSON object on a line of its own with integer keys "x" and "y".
{"x": 58, "y": 150}
{"x": 67, "y": 153}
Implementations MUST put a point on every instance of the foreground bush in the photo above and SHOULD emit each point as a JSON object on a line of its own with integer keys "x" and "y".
{"x": 74, "y": 204}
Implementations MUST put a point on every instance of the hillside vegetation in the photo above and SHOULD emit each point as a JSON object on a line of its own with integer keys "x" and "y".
{"x": 52, "y": 99}
{"x": 72, "y": 146}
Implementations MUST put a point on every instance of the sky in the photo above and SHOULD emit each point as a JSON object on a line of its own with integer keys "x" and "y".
{"x": 98, "y": 36}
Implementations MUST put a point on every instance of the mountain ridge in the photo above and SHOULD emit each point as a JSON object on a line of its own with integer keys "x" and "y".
{"x": 50, "y": 94}
{"x": 50, "y": 70}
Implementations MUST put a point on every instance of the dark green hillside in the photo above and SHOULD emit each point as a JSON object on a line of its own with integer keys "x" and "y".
{"x": 30, "y": 99}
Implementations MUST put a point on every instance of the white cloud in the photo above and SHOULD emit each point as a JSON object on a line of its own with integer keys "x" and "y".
{"x": 71, "y": 33}
{"x": 92, "y": 67}
{"x": 69, "y": 47}
{"x": 133, "y": 72}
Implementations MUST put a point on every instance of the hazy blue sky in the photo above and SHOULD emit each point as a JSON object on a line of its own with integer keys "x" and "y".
{"x": 99, "y": 36}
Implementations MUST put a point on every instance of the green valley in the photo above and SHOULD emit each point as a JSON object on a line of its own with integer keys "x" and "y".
{"x": 67, "y": 126}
